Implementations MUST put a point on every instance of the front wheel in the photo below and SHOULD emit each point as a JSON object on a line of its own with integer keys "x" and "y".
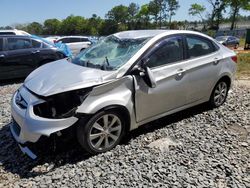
{"x": 219, "y": 94}
{"x": 102, "y": 132}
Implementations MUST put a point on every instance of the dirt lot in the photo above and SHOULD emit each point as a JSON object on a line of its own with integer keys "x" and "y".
{"x": 198, "y": 147}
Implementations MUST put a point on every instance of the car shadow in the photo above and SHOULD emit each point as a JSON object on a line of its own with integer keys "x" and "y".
{"x": 68, "y": 152}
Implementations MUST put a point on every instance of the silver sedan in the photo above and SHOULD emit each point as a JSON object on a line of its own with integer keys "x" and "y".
{"x": 120, "y": 83}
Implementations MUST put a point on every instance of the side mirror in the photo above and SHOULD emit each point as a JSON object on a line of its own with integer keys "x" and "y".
{"x": 146, "y": 74}
{"x": 150, "y": 78}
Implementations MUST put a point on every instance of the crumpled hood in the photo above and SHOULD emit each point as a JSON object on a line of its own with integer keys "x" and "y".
{"x": 61, "y": 76}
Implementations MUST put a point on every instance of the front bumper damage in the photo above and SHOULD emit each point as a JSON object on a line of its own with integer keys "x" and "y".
{"x": 27, "y": 127}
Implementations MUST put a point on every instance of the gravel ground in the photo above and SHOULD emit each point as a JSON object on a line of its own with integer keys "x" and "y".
{"x": 194, "y": 148}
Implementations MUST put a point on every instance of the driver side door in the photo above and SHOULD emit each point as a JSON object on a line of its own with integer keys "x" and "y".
{"x": 167, "y": 65}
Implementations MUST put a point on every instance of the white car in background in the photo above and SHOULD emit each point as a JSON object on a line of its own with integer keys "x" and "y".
{"x": 75, "y": 43}
{"x": 52, "y": 38}
{"x": 13, "y": 32}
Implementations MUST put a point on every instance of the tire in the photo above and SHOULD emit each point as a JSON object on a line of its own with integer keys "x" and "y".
{"x": 95, "y": 136}
{"x": 219, "y": 94}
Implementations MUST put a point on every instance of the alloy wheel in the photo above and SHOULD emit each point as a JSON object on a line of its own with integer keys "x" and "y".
{"x": 105, "y": 132}
{"x": 220, "y": 93}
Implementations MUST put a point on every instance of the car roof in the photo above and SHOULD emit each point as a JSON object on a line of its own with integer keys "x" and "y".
{"x": 73, "y": 37}
{"x": 16, "y": 31}
{"x": 16, "y": 36}
{"x": 137, "y": 34}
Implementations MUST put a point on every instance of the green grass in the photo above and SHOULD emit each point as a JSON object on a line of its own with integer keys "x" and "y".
{"x": 243, "y": 66}
{"x": 242, "y": 42}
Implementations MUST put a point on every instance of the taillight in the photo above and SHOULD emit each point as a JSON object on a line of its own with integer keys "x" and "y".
{"x": 234, "y": 58}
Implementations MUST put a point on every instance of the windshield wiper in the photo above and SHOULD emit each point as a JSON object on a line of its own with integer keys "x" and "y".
{"x": 105, "y": 63}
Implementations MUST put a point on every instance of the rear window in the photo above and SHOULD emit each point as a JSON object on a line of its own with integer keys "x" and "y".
{"x": 1, "y": 44}
{"x": 18, "y": 43}
{"x": 63, "y": 40}
{"x": 7, "y": 33}
{"x": 36, "y": 44}
{"x": 199, "y": 46}
{"x": 71, "y": 40}
{"x": 85, "y": 40}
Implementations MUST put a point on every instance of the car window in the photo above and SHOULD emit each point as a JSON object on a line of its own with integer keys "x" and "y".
{"x": 231, "y": 38}
{"x": 1, "y": 44}
{"x": 85, "y": 40}
{"x": 18, "y": 43}
{"x": 198, "y": 46}
{"x": 71, "y": 40}
{"x": 170, "y": 52}
{"x": 36, "y": 44}
{"x": 7, "y": 33}
{"x": 64, "y": 40}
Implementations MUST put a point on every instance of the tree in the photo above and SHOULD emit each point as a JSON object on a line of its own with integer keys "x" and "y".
{"x": 35, "y": 28}
{"x": 118, "y": 14}
{"x": 218, "y": 6}
{"x": 143, "y": 17}
{"x": 94, "y": 24}
{"x": 171, "y": 7}
{"x": 235, "y": 6}
{"x": 52, "y": 26}
{"x": 197, "y": 10}
{"x": 133, "y": 10}
{"x": 74, "y": 25}
{"x": 155, "y": 10}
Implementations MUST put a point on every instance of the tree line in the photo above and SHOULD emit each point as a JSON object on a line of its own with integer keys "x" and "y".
{"x": 155, "y": 14}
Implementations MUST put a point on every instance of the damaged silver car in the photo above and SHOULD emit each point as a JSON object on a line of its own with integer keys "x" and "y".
{"x": 124, "y": 81}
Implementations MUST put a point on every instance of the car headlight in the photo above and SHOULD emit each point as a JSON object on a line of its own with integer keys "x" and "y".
{"x": 61, "y": 105}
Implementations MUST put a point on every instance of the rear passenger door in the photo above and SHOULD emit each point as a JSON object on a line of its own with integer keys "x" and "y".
{"x": 19, "y": 59}
{"x": 202, "y": 67}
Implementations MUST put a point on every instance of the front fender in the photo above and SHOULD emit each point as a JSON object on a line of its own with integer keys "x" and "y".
{"x": 118, "y": 92}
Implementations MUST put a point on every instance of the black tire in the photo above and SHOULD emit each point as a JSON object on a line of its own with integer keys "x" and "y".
{"x": 236, "y": 46}
{"x": 214, "y": 101}
{"x": 86, "y": 127}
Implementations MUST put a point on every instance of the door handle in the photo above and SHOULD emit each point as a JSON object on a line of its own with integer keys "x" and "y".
{"x": 35, "y": 52}
{"x": 216, "y": 61}
{"x": 180, "y": 74}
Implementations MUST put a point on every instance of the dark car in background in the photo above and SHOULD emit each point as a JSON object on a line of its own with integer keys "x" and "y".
{"x": 229, "y": 41}
{"x": 20, "y": 55}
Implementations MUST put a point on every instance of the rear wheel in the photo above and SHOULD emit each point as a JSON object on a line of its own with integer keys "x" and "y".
{"x": 102, "y": 132}
{"x": 236, "y": 46}
{"x": 219, "y": 94}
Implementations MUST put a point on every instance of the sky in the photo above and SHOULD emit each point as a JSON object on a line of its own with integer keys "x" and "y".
{"x": 26, "y": 11}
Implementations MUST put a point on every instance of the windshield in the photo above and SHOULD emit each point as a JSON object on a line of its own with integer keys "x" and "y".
{"x": 109, "y": 53}
{"x": 221, "y": 38}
